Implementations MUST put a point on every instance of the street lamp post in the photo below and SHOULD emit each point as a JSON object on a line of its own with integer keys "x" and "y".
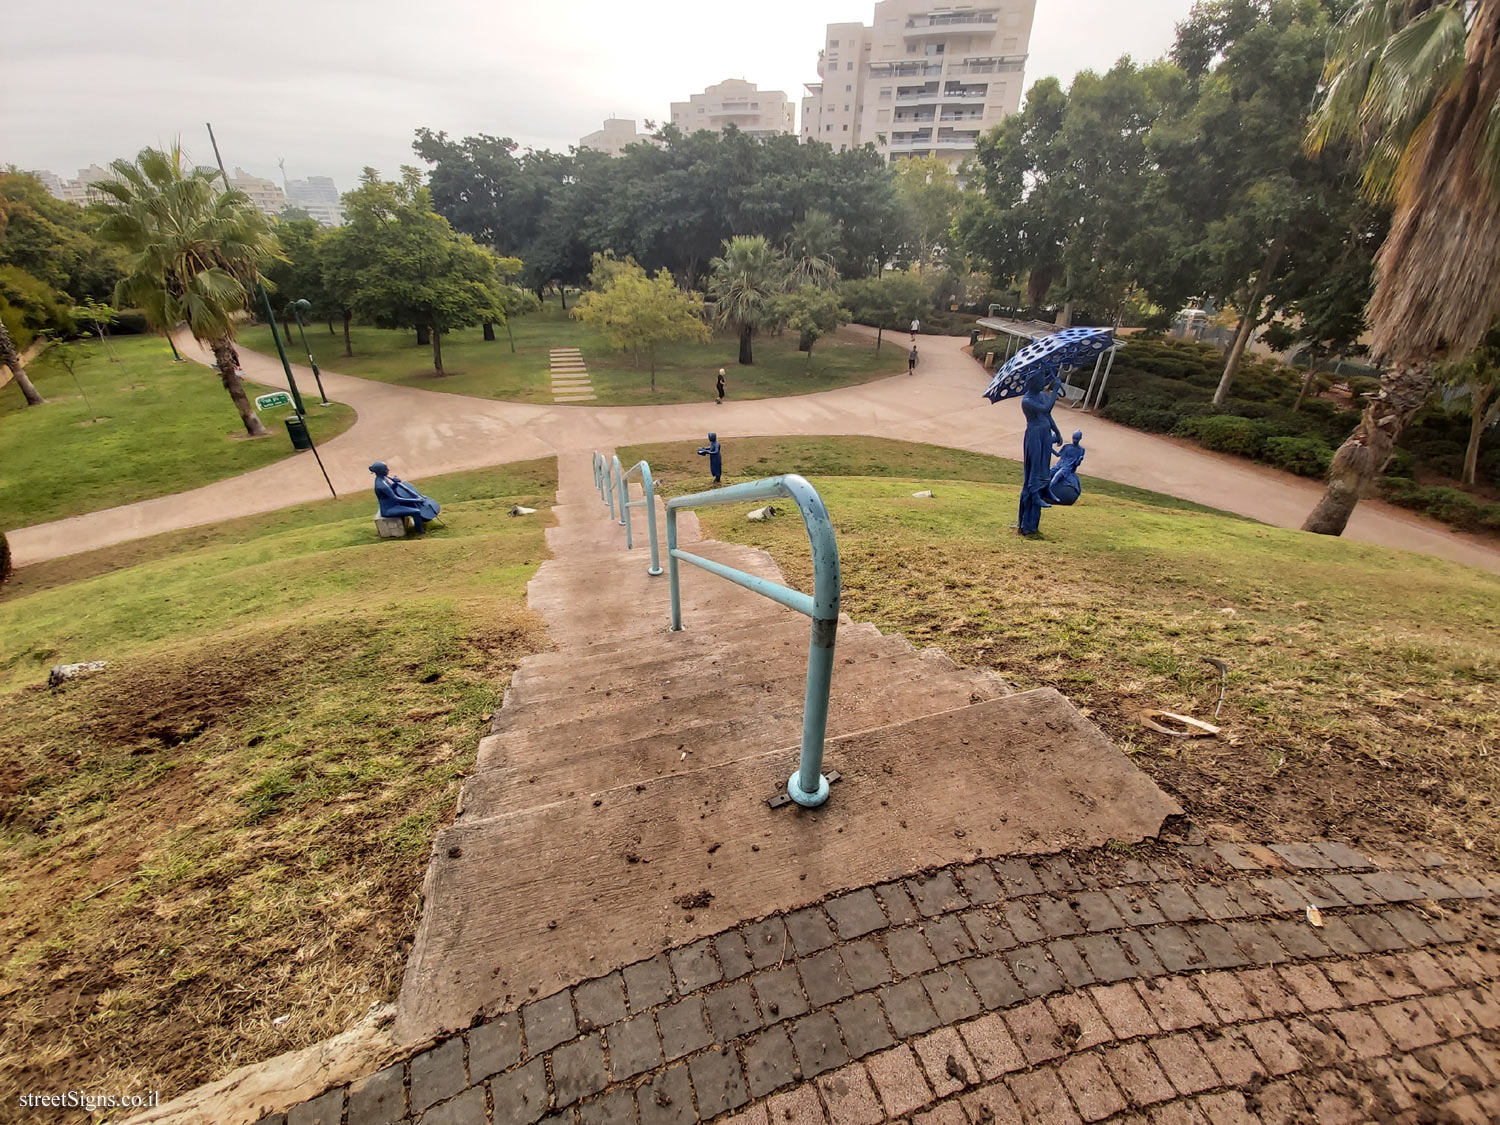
{"x": 299, "y": 307}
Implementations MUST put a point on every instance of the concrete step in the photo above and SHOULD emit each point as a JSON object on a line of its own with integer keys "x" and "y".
{"x": 631, "y": 691}
{"x": 566, "y": 399}
{"x": 638, "y": 644}
{"x": 531, "y": 900}
{"x": 516, "y": 774}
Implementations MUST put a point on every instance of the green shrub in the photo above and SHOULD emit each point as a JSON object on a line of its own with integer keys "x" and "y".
{"x": 1402, "y": 491}
{"x": 1456, "y": 508}
{"x": 1362, "y": 385}
{"x": 1226, "y": 433}
{"x": 1305, "y": 456}
{"x": 1153, "y": 419}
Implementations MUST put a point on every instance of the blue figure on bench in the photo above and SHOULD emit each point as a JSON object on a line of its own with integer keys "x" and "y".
{"x": 1065, "y": 488}
{"x": 398, "y": 499}
{"x": 715, "y": 456}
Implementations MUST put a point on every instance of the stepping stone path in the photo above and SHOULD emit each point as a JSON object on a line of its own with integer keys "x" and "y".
{"x": 570, "y": 377}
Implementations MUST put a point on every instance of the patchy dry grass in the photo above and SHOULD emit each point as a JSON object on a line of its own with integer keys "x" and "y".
{"x": 212, "y": 851}
{"x": 1363, "y": 696}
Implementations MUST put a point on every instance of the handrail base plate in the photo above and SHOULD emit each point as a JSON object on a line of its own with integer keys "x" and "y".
{"x": 784, "y": 798}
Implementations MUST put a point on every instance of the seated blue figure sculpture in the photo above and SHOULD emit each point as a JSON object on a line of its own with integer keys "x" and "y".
{"x": 398, "y": 499}
{"x": 1065, "y": 488}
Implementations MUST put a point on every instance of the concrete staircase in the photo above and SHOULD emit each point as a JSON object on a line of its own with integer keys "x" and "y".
{"x": 619, "y": 805}
{"x": 570, "y": 376}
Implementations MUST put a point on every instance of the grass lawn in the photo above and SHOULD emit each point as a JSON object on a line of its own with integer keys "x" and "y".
{"x": 157, "y": 427}
{"x": 212, "y": 850}
{"x": 684, "y": 372}
{"x": 1363, "y": 696}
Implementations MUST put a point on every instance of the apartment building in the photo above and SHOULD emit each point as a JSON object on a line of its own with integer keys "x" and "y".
{"x": 618, "y": 132}
{"x": 79, "y": 190}
{"x": 922, "y": 80}
{"x": 760, "y": 113}
{"x": 265, "y": 195}
{"x": 318, "y": 196}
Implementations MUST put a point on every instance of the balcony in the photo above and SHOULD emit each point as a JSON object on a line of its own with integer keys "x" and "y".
{"x": 951, "y": 23}
{"x": 905, "y": 70}
{"x": 938, "y": 97}
{"x": 1009, "y": 65}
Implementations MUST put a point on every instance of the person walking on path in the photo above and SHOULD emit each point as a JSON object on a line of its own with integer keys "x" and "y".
{"x": 719, "y": 386}
{"x": 715, "y": 456}
{"x": 911, "y": 361}
{"x": 915, "y": 327}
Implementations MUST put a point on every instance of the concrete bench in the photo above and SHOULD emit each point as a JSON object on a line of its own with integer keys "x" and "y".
{"x": 390, "y": 527}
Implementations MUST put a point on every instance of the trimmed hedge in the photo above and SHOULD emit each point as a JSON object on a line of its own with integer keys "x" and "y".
{"x": 1307, "y": 457}
{"x": 1447, "y": 504}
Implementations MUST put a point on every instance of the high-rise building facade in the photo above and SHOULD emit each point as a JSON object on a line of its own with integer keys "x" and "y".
{"x": 760, "y": 113}
{"x": 612, "y": 139}
{"x": 265, "y": 195}
{"x": 922, "y": 80}
{"x": 318, "y": 196}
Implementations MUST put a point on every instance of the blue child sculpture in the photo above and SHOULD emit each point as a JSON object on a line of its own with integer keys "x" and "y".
{"x": 1064, "y": 489}
{"x": 397, "y": 498}
{"x": 1042, "y": 390}
{"x": 714, "y": 455}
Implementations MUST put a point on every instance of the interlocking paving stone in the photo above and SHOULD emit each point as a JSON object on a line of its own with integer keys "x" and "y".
{"x": 731, "y": 1012}
{"x": 466, "y": 1109}
{"x": 578, "y": 1070}
{"x": 946, "y": 1061}
{"x": 992, "y": 1047}
{"x": 1378, "y": 934}
{"x": 1136, "y": 1070}
{"x": 1106, "y": 959}
{"x": 1140, "y": 952}
{"x": 1097, "y": 911}
{"x": 1069, "y": 961}
{"x": 908, "y": 951}
{"x": 898, "y": 1080}
{"x": 1017, "y": 878}
{"x": 908, "y": 1008}
{"x": 862, "y": 1025}
{"x": 979, "y": 884}
{"x": 948, "y": 939}
{"x": 521, "y": 1095}
{"x": 668, "y": 1100}
{"x": 1254, "y": 941}
{"x": 780, "y": 993}
{"x": 694, "y": 967}
{"x": 986, "y": 930}
{"x": 1042, "y": 1098}
{"x": 856, "y": 914}
{"x": 1307, "y": 857}
{"x": 899, "y": 907}
{"x": 770, "y": 1062}
{"x": 633, "y": 1047}
{"x": 1220, "y": 950}
{"x": 824, "y": 979}
{"x": 600, "y": 1001}
{"x": 325, "y": 1109}
{"x": 683, "y": 1028}
{"x": 810, "y": 931}
{"x": 648, "y": 983}
{"x": 1019, "y": 920}
{"x": 1184, "y": 1063}
{"x": 379, "y": 1099}
{"x": 1174, "y": 948}
{"x": 614, "y": 1108}
{"x": 1230, "y": 1054}
{"x": 1093, "y": 1093}
{"x": 1341, "y": 855}
{"x": 865, "y": 964}
{"x": 993, "y": 982}
{"x": 952, "y": 998}
{"x": 1057, "y": 874}
{"x": 1056, "y": 917}
{"x": 1174, "y": 1004}
{"x": 494, "y": 1046}
{"x": 1079, "y": 1021}
{"x": 1390, "y": 886}
{"x": 768, "y": 942}
{"x": 1175, "y": 903}
{"x": 717, "y": 1082}
{"x": 1121, "y": 1005}
{"x": 816, "y": 1041}
{"x": 850, "y": 1098}
{"x": 1407, "y": 1024}
{"x": 1274, "y": 1046}
{"x": 1036, "y": 975}
{"x": 1035, "y": 1032}
{"x": 437, "y": 1074}
{"x": 936, "y": 894}
{"x": 734, "y": 956}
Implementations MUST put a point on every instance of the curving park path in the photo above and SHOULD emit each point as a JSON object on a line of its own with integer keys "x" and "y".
{"x": 423, "y": 433}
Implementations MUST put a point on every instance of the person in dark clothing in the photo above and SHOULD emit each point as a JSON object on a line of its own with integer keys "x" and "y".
{"x": 911, "y": 361}
{"x": 719, "y": 386}
{"x": 715, "y": 456}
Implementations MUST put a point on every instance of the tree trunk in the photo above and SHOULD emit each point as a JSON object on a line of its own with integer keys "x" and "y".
{"x": 805, "y": 343}
{"x": 437, "y": 350}
{"x": 1250, "y": 318}
{"x": 512, "y": 336}
{"x": 12, "y": 359}
{"x": 424, "y": 336}
{"x": 653, "y": 370}
{"x": 224, "y": 357}
{"x": 1065, "y": 319}
{"x": 562, "y": 294}
{"x": 5, "y": 566}
{"x": 746, "y": 358}
{"x": 489, "y": 331}
{"x": 1481, "y": 417}
{"x": 330, "y": 327}
{"x": 1403, "y": 390}
{"x": 879, "y": 332}
{"x": 348, "y": 343}
{"x": 1307, "y": 383}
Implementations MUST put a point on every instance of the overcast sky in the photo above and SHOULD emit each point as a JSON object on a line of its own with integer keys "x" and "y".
{"x": 334, "y": 85}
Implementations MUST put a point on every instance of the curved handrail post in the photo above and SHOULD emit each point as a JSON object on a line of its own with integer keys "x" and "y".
{"x": 599, "y": 474}
{"x": 622, "y": 494}
{"x": 808, "y": 787}
{"x": 648, "y": 502}
{"x": 609, "y": 490}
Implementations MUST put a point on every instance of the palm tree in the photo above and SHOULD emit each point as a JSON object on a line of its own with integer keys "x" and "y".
{"x": 1415, "y": 84}
{"x": 743, "y": 282}
{"x": 195, "y": 254}
{"x": 10, "y": 355}
{"x": 810, "y": 250}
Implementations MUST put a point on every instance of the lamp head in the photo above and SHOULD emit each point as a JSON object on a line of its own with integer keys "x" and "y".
{"x": 302, "y": 305}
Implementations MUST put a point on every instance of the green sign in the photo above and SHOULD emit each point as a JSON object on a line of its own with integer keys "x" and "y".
{"x": 275, "y": 398}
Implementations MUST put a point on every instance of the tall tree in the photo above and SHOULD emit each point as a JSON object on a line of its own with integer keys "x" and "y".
{"x": 1475, "y": 382}
{"x": 929, "y": 196}
{"x": 193, "y": 254}
{"x": 743, "y": 282}
{"x": 642, "y": 312}
{"x": 888, "y": 302}
{"x": 811, "y": 312}
{"x": 1417, "y": 85}
{"x": 812, "y": 249}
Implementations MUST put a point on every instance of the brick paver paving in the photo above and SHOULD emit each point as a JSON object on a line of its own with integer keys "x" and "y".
{"x": 893, "y": 1003}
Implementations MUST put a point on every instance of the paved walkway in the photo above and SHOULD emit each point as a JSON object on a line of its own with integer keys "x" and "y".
{"x": 1181, "y": 984}
{"x": 424, "y": 433}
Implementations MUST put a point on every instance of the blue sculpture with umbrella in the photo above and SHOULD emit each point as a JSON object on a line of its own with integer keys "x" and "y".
{"x": 1034, "y": 374}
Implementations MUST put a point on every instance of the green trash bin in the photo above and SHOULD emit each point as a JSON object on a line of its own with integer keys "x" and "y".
{"x": 973, "y": 337}
{"x": 296, "y": 428}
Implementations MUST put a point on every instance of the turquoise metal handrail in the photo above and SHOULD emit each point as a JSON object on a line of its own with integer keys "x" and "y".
{"x": 808, "y": 787}
{"x": 647, "y": 501}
